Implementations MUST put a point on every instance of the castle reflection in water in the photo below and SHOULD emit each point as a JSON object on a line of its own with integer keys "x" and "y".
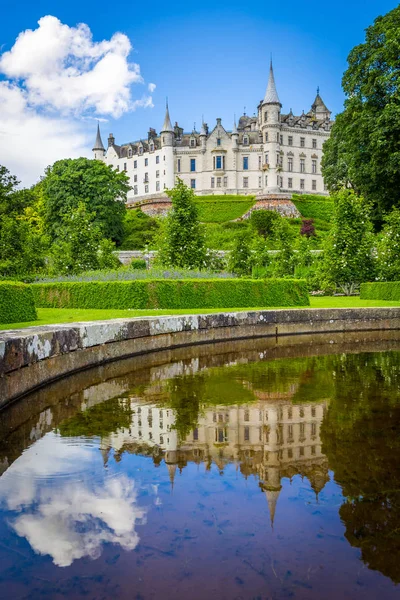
{"x": 268, "y": 439}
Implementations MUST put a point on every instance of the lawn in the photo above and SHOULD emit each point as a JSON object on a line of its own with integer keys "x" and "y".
{"x": 49, "y": 316}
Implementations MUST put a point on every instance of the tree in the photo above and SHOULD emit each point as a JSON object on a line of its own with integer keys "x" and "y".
{"x": 388, "y": 248}
{"x": 182, "y": 244}
{"x": 363, "y": 152}
{"x": 348, "y": 256}
{"x": 240, "y": 259}
{"x": 81, "y": 245}
{"x": 284, "y": 262}
{"x": 99, "y": 187}
{"x": 264, "y": 221}
{"x": 139, "y": 230}
{"x": 307, "y": 228}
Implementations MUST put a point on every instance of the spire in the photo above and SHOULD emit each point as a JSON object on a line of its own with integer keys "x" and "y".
{"x": 98, "y": 145}
{"x": 272, "y": 499}
{"x": 234, "y": 130}
{"x": 171, "y": 471}
{"x": 319, "y": 107}
{"x": 271, "y": 95}
{"x": 167, "y": 121}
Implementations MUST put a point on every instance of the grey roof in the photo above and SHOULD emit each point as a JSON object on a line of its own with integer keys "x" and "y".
{"x": 203, "y": 129}
{"x": 271, "y": 95}
{"x": 167, "y": 122}
{"x": 98, "y": 145}
{"x": 319, "y": 105}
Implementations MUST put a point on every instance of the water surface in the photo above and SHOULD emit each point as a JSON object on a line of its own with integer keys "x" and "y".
{"x": 240, "y": 471}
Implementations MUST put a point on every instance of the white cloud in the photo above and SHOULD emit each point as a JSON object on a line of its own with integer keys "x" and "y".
{"x": 56, "y": 76}
{"x": 151, "y": 87}
{"x": 60, "y": 511}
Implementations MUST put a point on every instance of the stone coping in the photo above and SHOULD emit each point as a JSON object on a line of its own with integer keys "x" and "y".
{"x": 35, "y": 356}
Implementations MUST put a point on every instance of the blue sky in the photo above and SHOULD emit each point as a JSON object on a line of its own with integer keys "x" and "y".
{"x": 210, "y": 58}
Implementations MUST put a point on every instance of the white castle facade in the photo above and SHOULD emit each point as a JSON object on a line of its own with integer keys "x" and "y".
{"x": 269, "y": 153}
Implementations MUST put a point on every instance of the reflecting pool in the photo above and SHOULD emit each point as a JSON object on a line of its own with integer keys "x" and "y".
{"x": 239, "y": 471}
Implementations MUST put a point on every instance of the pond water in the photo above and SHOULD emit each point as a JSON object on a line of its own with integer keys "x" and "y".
{"x": 231, "y": 472}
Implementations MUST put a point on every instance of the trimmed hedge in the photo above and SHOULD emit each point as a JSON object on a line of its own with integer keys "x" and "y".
{"x": 162, "y": 293}
{"x": 380, "y": 290}
{"x": 17, "y": 303}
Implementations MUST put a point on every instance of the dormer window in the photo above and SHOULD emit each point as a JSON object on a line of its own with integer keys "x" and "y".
{"x": 151, "y": 147}
{"x": 130, "y": 153}
{"x": 140, "y": 149}
{"x": 245, "y": 140}
{"x": 192, "y": 142}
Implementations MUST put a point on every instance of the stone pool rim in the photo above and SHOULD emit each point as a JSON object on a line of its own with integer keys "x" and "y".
{"x": 36, "y": 356}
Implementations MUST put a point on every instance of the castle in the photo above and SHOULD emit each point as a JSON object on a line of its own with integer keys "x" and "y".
{"x": 268, "y": 154}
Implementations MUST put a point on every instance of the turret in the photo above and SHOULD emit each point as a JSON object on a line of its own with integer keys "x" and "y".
{"x": 269, "y": 121}
{"x": 203, "y": 135}
{"x": 167, "y": 135}
{"x": 98, "y": 148}
{"x": 167, "y": 131}
{"x": 235, "y": 133}
{"x": 319, "y": 108}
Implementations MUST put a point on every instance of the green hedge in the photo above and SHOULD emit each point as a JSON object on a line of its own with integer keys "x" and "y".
{"x": 382, "y": 290}
{"x": 17, "y": 304}
{"x": 161, "y": 293}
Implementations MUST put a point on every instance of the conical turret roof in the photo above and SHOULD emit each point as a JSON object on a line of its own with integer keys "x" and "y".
{"x": 319, "y": 105}
{"x": 98, "y": 145}
{"x": 167, "y": 126}
{"x": 271, "y": 95}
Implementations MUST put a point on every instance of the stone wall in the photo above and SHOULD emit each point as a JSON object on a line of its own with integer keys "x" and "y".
{"x": 35, "y": 356}
{"x": 284, "y": 206}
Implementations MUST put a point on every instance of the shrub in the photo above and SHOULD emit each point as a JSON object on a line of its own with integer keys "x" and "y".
{"x": 148, "y": 294}
{"x": 138, "y": 264}
{"x": 307, "y": 228}
{"x": 388, "y": 248}
{"x": 139, "y": 230}
{"x": 264, "y": 221}
{"x": 240, "y": 259}
{"x": 17, "y": 303}
{"x": 381, "y": 290}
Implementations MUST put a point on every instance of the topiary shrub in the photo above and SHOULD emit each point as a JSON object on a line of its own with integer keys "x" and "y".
{"x": 380, "y": 290}
{"x": 173, "y": 293}
{"x": 138, "y": 264}
{"x": 17, "y": 303}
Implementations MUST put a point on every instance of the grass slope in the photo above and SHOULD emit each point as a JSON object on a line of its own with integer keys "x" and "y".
{"x": 50, "y": 316}
{"x": 219, "y": 209}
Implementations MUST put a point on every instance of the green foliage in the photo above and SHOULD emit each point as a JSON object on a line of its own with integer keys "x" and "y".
{"x": 16, "y": 303}
{"x": 264, "y": 222}
{"x": 348, "y": 257}
{"x": 241, "y": 259}
{"x": 261, "y": 257}
{"x": 80, "y": 245}
{"x": 182, "y": 244}
{"x": 218, "y": 209}
{"x": 284, "y": 262}
{"x": 222, "y": 236}
{"x": 364, "y": 148}
{"x": 139, "y": 230}
{"x": 380, "y": 290}
{"x": 388, "y": 248}
{"x": 304, "y": 258}
{"x": 200, "y": 293}
{"x": 138, "y": 264}
{"x": 102, "y": 189}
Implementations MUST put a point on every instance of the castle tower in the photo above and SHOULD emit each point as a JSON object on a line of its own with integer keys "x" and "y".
{"x": 167, "y": 143}
{"x": 319, "y": 108}
{"x": 98, "y": 148}
{"x": 269, "y": 122}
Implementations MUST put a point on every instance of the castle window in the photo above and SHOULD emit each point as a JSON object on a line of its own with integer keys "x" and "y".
{"x": 146, "y": 178}
{"x": 259, "y": 162}
{"x": 301, "y": 451}
{"x": 141, "y": 150}
{"x": 179, "y": 165}
{"x": 313, "y": 450}
{"x": 313, "y": 429}
{"x": 218, "y": 182}
{"x": 219, "y": 162}
{"x": 246, "y": 434}
{"x": 290, "y": 183}
{"x": 266, "y": 136}
{"x": 277, "y": 137}
{"x": 245, "y": 182}
{"x": 290, "y": 165}
{"x": 192, "y": 164}
{"x": 135, "y": 190}
{"x": 260, "y": 182}
{"x": 135, "y": 164}
{"x": 281, "y": 139}
{"x": 302, "y": 184}
{"x": 130, "y": 153}
{"x": 314, "y": 166}
{"x": 225, "y": 182}
{"x": 245, "y": 140}
{"x": 212, "y": 182}
{"x": 314, "y": 143}
{"x": 192, "y": 143}
{"x": 157, "y": 159}
{"x": 195, "y": 435}
{"x": 157, "y": 173}
{"x": 164, "y": 157}
{"x": 245, "y": 163}
{"x": 193, "y": 184}
{"x": 266, "y": 158}
{"x": 135, "y": 178}
{"x": 218, "y": 141}
{"x": 290, "y": 140}
{"x": 146, "y": 189}
{"x": 266, "y": 181}
{"x": 124, "y": 166}
{"x": 265, "y": 116}
{"x": 302, "y": 142}
{"x": 157, "y": 186}
{"x": 151, "y": 147}
{"x": 146, "y": 162}
{"x": 302, "y": 165}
